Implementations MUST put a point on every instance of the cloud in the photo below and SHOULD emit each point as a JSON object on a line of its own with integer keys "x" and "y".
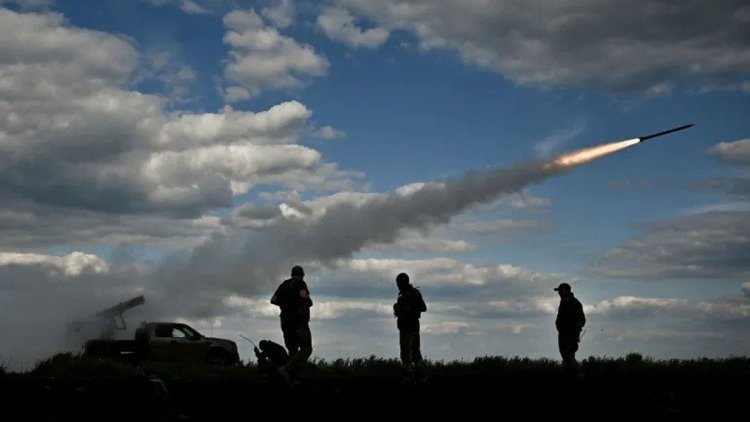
{"x": 260, "y": 57}
{"x": 30, "y": 5}
{"x": 177, "y": 78}
{"x": 706, "y": 245}
{"x": 328, "y": 132}
{"x": 668, "y": 334}
{"x": 581, "y": 43}
{"x": 526, "y": 201}
{"x": 737, "y": 152}
{"x": 630, "y": 307}
{"x": 282, "y": 14}
{"x": 347, "y": 308}
{"x": 338, "y": 24}
{"x": 280, "y": 124}
{"x": 737, "y": 186}
{"x": 445, "y": 327}
{"x": 74, "y": 137}
{"x": 71, "y": 265}
{"x": 440, "y": 278}
{"x": 25, "y": 225}
{"x": 506, "y": 225}
{"x": 190, "y": 7}
{"x": 414, "y": 241}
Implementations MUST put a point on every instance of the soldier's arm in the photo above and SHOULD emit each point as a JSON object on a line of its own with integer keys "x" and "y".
{"x": 421, "y": 304}
{"x": 581, "y": 316}
{"x": 275, "y": 300}
{"x": 304, "y": 294}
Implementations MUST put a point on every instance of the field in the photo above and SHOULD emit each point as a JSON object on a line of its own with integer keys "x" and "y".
{"x": 73, "y": 388}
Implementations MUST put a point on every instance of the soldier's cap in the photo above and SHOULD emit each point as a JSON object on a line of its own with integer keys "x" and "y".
{"x": 563, "y": 286}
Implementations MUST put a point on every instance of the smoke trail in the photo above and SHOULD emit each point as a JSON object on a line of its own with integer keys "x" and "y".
{"x": 346, "y": 227}
{"x": 326, "y": 229}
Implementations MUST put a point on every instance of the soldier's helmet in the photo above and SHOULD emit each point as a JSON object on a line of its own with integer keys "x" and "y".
{"x": 297, "y": 271}
{"x": 402, "y": 280}
{"x": 563, "y": 287}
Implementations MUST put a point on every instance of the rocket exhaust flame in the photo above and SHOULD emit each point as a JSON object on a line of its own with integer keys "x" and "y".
{"x": 592, "y": 153}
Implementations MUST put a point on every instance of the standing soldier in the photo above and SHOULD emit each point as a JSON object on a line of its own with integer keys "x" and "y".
{"x": 293, "y": 297}
{"x": 570, "y": 321}
{"x": 407, "y": 310}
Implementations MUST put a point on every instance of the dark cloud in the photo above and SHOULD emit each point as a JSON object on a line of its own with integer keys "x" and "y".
{"x": 737, "y": 186}
{"x": 645, "y": 46}
{"x": 713, "y": 244}
{"x": 26, "y": 226}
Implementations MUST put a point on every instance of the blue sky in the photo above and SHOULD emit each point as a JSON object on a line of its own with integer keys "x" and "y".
{"x": 193, "y": 151}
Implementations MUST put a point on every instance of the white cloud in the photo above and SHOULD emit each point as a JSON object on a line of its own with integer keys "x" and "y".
{"x": 445, "y": 327}
{"x": 328, "y": 132}
{"x": 726, "y": 309}
{"x": 260, "y": 57}
{"x": 281, "y": 14}
{"x": 89, "y": 143}
{"x": 346, "y": 308}
{"x": 580, "y": 43}
{"x": 190, "y": 7}
{"x": 281, "y": 124}
{"x": 182, "y": 175}
{"x": 72, "y": 265}
{"x": 410, "y": 241}
{"x": 339, "y": 25}
{"x": 445, "y": 271}
{"x": 733, "y": 152}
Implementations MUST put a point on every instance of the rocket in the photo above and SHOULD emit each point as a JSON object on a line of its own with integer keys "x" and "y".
{"x": 664, "y": 132}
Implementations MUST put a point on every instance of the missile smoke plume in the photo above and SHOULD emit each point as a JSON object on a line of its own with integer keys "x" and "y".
{"x": 345, "y": 226}
{"x": 324, "y": 230}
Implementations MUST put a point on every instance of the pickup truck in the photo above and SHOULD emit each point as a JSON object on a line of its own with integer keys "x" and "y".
{"x": 166, "y": 341}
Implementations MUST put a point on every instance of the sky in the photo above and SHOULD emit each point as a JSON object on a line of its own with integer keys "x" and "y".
{"x": 194, "y": 151}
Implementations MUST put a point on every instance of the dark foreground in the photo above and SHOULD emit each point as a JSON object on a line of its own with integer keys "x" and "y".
{"x": 373, "y": 390}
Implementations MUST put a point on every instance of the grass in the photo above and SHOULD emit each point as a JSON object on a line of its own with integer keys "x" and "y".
{"x": 74, "y": 387}
{"x": 77, "y": 365}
